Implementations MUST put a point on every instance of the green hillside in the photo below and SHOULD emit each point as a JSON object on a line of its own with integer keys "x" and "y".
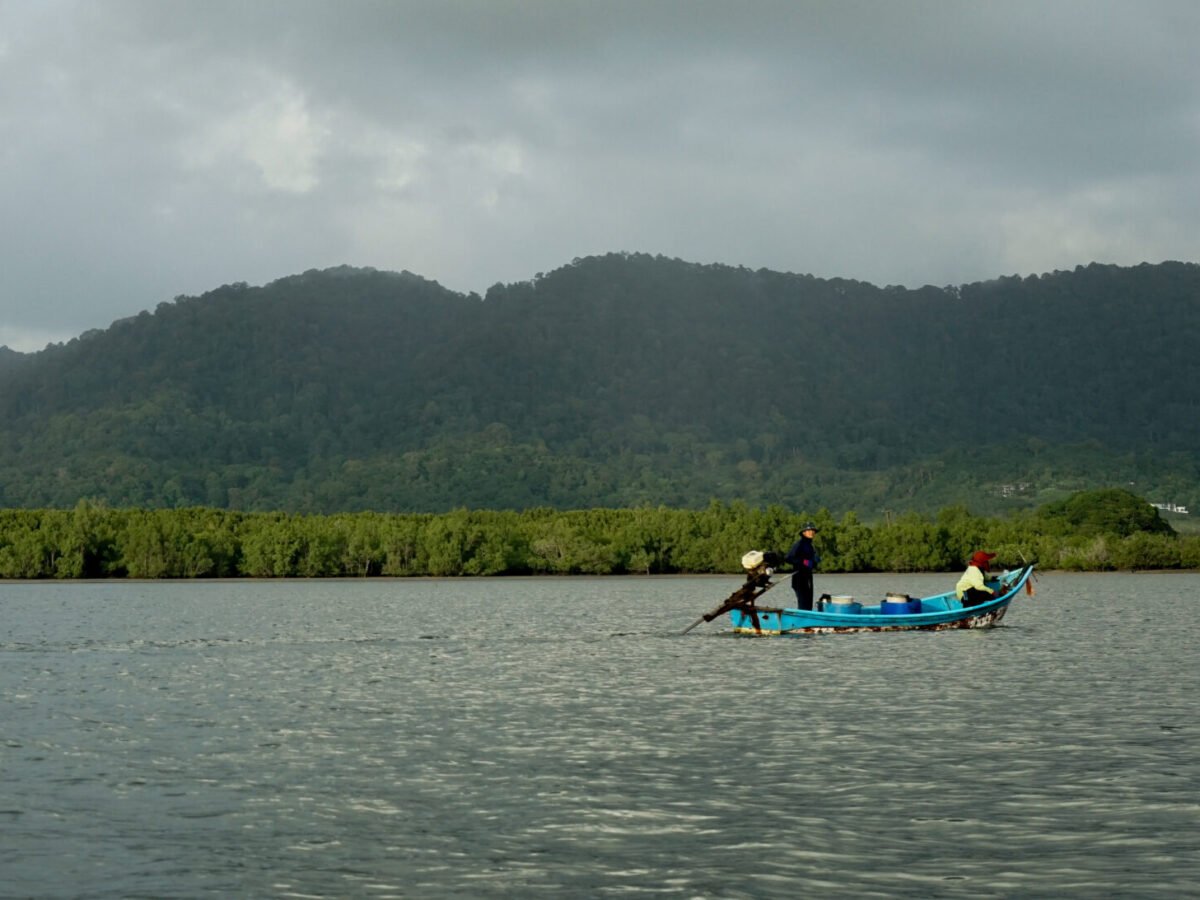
{"x": 620, "y": 380}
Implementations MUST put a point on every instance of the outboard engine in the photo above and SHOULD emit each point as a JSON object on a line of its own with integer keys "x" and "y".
{"x": 760, "y": 562}
{"x": 760, "y": 565}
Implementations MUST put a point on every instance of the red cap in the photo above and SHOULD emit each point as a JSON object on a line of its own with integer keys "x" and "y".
{"x": 980, "y": 558}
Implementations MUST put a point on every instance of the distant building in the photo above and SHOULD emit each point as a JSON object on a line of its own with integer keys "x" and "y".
{"x": 1020, "y": 487}
{"x": 1171, "y": 507}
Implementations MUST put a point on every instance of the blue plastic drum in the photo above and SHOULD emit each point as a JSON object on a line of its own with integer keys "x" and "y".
{"x": 842, "y": 605}
{"x": 900, "y": 605}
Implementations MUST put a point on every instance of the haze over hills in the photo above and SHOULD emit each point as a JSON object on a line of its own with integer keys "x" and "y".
{"x": 620, "y": 380}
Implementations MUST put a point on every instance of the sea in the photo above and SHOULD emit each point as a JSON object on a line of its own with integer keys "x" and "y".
{"x": 561, "y": 737}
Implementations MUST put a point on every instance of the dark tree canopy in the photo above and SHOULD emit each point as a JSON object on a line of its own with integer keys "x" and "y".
{"x": 619, "y": 380}
{"x": 1106, "y": 511}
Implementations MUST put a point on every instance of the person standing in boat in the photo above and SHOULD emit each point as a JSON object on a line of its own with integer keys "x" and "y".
{"x": 970, "y": 588}
{"x": 804, "y": 559}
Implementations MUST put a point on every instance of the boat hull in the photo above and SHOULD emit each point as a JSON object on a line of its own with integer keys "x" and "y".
{"x": 941, "y": 612}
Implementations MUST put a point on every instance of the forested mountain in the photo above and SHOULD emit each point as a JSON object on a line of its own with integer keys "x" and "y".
{"x": 9, "y": 357}
{"x": 620, "y": 380}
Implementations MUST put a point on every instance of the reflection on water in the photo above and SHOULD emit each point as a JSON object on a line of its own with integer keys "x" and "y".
{"x": 558, "y": 737}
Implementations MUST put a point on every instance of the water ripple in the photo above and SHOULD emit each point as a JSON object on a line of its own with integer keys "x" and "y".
{"x": 543, "y": 737}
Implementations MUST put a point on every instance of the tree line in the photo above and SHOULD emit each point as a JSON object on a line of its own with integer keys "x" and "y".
{"x": 1091, "y": 531}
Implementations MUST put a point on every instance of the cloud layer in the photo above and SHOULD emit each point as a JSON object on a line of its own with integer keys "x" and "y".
{"x": 149, "y": 149}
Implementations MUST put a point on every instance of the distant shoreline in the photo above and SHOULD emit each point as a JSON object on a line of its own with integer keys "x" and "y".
{"x": 545, "y": 576}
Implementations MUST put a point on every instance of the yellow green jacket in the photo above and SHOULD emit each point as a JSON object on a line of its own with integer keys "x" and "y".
{"x": 972, "y": 578}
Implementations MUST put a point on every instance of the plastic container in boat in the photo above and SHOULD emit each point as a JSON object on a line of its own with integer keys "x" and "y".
{"x": 842, "y": 604}
{"x": 900, "y": 605}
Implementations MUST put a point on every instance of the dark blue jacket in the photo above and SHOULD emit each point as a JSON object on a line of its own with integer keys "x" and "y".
{"x": 803, "y": 555}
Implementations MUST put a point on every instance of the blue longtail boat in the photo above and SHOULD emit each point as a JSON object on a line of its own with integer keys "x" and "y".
{"x": 844, "y": 615}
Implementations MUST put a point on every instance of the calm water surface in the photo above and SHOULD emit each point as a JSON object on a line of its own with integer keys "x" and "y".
{"x": 558, "y": 737}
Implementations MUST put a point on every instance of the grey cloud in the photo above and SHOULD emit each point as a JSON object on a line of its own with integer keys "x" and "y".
{"x": 149, "y": 149}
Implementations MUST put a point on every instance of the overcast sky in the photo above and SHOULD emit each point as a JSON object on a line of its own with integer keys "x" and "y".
{"x": 151, "y": 148}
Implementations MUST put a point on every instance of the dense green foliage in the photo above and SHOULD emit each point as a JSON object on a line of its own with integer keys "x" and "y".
{"x": 1111, "y": 511}
{"x": 91, "y": 541}
{"x": 619, "y": 381}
